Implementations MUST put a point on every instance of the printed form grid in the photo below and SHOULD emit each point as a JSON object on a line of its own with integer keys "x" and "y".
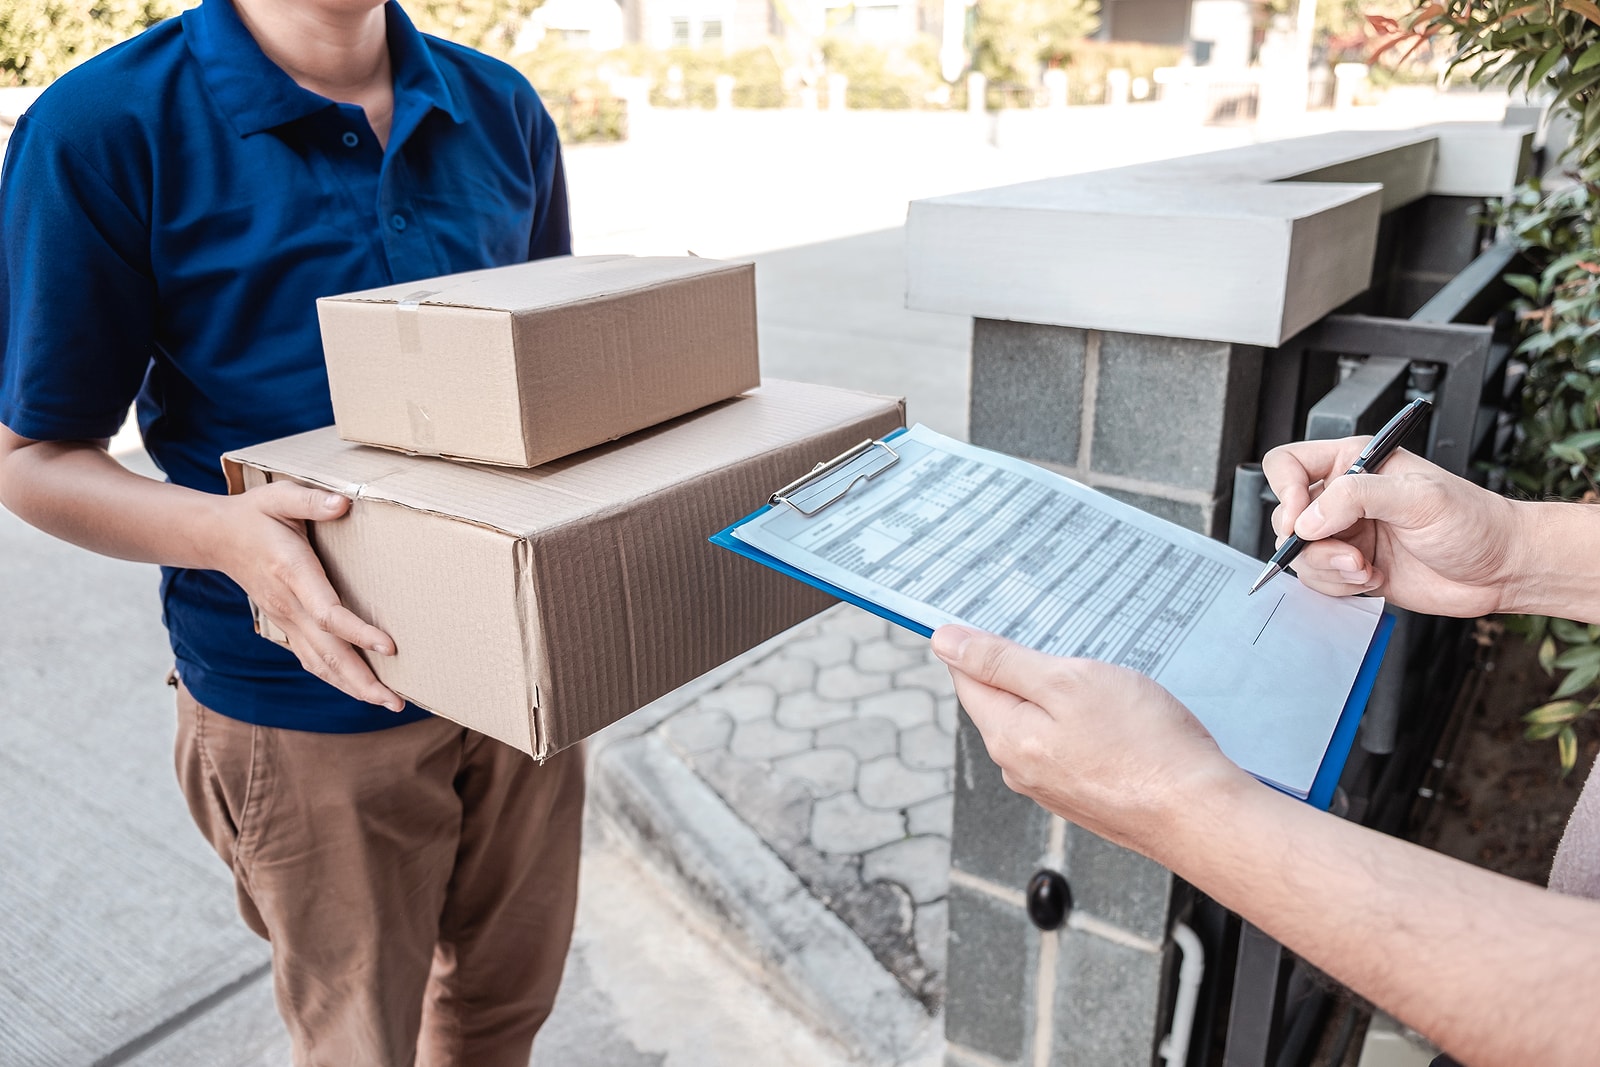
{"x": 1019, "y": 558}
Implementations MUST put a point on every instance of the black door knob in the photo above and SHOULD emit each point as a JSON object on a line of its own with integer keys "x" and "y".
{"x": 1049, "y": 900}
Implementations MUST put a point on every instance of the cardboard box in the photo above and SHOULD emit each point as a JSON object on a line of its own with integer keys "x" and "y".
{"x": 524, "y": 364}
{"x": 539, "y": 606}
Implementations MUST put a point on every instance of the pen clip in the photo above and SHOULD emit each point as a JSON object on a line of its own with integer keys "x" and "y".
{"x": 830, "y": 481}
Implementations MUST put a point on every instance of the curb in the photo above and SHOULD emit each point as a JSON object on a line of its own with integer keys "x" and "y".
{"x": 679, "y": 824}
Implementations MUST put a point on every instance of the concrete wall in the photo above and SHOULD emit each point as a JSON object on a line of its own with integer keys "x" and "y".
{"x": 1160, "y": 423}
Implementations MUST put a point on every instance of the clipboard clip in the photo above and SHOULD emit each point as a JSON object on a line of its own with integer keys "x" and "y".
{"x": 830, "y": 481}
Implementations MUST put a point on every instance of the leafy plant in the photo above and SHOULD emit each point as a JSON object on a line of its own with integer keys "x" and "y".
{"x": 1581, "y": 660}
{"x": 1537, "y": 45}
{"x": 1550, "y": 47}
{"x": 896, "y": 78}
{"x": 42, "y": 39}
{"x": 1556, "y": 453}
{"x": 1342, "y": 32}
{"x": 1013, "y": 39}
{"x": 487, "y": 25}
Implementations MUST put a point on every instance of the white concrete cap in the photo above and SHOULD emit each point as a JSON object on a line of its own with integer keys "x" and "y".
{"x": 1248, "y": 245}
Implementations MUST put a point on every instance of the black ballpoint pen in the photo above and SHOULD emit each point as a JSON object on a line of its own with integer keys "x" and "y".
{"x": 1382, "y": 445}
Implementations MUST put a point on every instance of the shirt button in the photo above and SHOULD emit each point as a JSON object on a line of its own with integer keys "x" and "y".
{"x": 350, "y": 139}
{"x": 397, "y": 221}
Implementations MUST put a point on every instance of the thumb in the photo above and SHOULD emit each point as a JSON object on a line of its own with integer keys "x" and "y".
{"x": 1394, "y": 499}
{"x": 286, "y": 500}
{"x": 995, "y": 661}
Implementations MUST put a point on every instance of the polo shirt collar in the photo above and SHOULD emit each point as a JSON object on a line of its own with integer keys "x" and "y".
{"x": 257, "y": 95}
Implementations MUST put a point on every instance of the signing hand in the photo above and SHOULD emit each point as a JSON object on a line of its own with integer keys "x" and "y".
{"x": 1099, "y": 745}
{"x": 263, "y": 547}
{"x": 1425, "y": 539}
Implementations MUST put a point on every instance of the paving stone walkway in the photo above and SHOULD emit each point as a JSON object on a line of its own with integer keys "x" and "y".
{"x": 837, "y": 748}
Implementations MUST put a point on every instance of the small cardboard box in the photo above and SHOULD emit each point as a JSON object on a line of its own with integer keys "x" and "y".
{"x": 524, "y": 364}
{"x": 539, "y": 606}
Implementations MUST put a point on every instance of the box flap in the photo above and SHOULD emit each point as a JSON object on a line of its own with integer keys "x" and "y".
{"x": 543, "y": 283}
{"x": 525, "y": 502}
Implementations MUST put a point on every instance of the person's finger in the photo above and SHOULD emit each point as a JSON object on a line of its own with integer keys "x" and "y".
{"x": 309, "y": 584}
{"x": 1291, "y": 470}
{"x": 1401, "y": 499}
{"x": 1001, "y": 664}
{"x": 334, "y": 661}
{"x": 322, "y": 607}
{"x": 988, "y": 708}
{"x": 1332, "y": 583}
{"x": 286, "y": 500}
{"x": 340, "y": 621}
{"x": 1333, "y": 557}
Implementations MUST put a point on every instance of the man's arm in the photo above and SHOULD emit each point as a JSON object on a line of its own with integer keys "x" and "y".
{"x": 1495, "y": 971}
{"x": 76, "y": 491}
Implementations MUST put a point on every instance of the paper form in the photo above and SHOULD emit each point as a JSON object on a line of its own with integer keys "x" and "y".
{"x": 954, "y": 533}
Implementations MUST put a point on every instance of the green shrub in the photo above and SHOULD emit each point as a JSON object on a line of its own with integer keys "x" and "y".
{"x": 487, "y": 25}
{"x": 878, "y": 78}
{"x": 1013, "y": 39}
{"x": 687, "y": 77}
{"x": 1088, "y": 62}
{"x": 1551, "y": 45}
{"x": 42, "y": 39}
{"x": 570, "y": 83}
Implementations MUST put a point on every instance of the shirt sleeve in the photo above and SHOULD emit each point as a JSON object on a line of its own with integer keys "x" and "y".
{"x": 77, "y": 295}
{"x": 552, "y": 226}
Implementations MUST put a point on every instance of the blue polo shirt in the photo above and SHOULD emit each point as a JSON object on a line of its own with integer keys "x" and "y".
{"x": 169, "y": 213}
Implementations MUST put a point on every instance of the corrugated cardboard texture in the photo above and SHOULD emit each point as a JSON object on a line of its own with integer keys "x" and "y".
{"x": 524, "y": 364}
{"x": 539, "y": 606}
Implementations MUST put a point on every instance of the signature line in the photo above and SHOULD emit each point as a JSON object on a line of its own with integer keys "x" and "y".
{"x": 1274, "y": 611}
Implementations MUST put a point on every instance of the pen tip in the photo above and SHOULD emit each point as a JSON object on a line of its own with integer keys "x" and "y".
{"x": 1264, "y": 577}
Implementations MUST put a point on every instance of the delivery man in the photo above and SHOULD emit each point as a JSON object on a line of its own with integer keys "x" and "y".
{"x": 169, "y": 213}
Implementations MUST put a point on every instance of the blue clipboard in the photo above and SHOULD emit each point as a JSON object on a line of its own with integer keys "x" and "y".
{"x": 1339, "y": 745}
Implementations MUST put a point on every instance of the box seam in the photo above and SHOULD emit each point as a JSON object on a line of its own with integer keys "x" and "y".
{"x": 609, "y": 295}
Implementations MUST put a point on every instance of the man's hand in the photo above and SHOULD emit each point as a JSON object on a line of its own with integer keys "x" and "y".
{"x": 262, "y": 545}
{"x": 75, "y": 491}
{"x": 1099, "y": 745}
{"x": 1423, "y": 538}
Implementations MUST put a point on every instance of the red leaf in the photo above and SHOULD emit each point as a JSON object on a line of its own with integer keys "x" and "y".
{"x": 1586, "y": 8}
{"x": 1412, "y": 50}
{"x": 1383, "y": 23}
{"x": 1516, "y": 13}
{"x": 1425, "y": 14}
{"x": 1386, "y": 45}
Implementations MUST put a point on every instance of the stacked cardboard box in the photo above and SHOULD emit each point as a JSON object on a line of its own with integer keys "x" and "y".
{"x": 538, "y": 604}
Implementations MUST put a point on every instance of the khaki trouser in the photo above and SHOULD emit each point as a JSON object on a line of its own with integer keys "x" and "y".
{"x": 417, "y": 884}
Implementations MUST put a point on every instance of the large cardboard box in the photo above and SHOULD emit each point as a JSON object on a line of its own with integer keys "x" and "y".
{"x": 538, "y": 606}
{"x": 524, "y": 364}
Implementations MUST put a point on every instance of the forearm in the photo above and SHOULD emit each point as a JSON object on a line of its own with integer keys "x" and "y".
{"x": 79, "y": 493}
{"x": 1556, "y": 561}
{"x": 1494, "y": 970}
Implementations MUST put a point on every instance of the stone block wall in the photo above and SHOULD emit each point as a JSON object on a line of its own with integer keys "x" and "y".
{"x": 1160, "y": 423}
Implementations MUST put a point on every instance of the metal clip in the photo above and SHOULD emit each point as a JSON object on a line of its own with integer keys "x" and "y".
{"x": 830, "y": 481}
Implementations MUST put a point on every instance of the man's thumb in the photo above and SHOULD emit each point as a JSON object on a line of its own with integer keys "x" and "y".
{"x": 1350, "y": 498}
{"x": 989, "y": 659}
{"x": 289, "y": 501}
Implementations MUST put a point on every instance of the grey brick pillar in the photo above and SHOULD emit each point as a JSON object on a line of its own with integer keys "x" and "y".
{"x": 1160, "y": 423}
